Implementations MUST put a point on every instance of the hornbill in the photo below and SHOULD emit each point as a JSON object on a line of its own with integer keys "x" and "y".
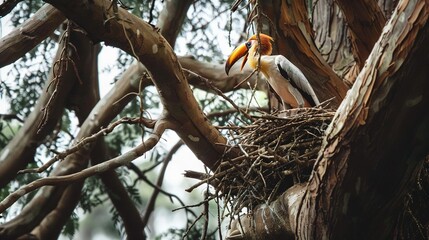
{"x": 286, "y": 79}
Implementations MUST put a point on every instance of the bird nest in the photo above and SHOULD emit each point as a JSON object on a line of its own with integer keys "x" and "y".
{"x": 276, "y": 152}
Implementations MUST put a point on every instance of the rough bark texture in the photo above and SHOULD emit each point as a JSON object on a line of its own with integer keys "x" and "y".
{"x": 387, "y": 6}
{"x": 273, "y": 221}
{"x": 331, "y": 37}
{"x": 355, "y": 194}
{"x": 365, "y": 27}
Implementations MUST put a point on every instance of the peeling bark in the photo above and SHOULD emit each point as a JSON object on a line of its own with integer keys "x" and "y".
{"x": 355, "y": 194}
{"x": 387, "y": 6}
{"x": 365, "y": 27}
{"x": 332, "y": 39}
{"x": 274, "y": 221}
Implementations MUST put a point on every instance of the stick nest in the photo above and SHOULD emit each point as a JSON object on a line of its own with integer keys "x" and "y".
{"x": 276, "y": 153}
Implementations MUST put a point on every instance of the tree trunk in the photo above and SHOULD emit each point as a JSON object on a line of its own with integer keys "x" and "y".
{"x": 378, "y": 139}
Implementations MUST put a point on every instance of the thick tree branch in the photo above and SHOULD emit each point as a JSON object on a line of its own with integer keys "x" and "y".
{"x": 25, "y": 37}
{"x": 105, "y": 110}
{"x": 53, "y": 223}
{"x": 144, "y": 42}
{"x": 273, "y": 221}
{"x": 172, "y": 17}
{"x": 387, "y": 6}
{"x": 82, "y": 99}
{"x": 386, "y": 114}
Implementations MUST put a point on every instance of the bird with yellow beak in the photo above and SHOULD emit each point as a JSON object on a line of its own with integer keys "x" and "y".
{"x": 288, "y": 82}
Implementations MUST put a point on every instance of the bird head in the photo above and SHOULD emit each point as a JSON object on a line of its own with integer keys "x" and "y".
{"x": 250, "y": 46}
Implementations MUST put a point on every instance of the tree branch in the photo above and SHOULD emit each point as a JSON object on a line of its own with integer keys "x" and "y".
{"x": 33, "y": 31}
{"x": 172, "y": 17}
{"x": 53, "y": 223}
{"x": 113, "y": 163}
{"x": 21, "y": 149}
{"x": 105, "y": 110}
{"x": 144, "y": 42}
{"x": 366, "y": 21}
{"x": 332, "y": 39}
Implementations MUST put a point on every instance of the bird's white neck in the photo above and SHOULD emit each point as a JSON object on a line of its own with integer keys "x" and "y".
{"x": 256, "y": 62}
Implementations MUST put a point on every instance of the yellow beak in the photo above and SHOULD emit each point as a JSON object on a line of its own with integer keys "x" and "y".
{"x": 239, "y": 52}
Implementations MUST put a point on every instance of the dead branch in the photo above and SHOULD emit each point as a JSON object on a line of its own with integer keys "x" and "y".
{"x": 28, "y": 138}
{"x": 105, "y": 110}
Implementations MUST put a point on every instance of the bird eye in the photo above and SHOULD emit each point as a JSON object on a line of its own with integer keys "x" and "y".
{"x": 248, "y": 45}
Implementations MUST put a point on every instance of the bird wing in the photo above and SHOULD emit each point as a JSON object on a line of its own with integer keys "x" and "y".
{"x": 296, "y": 78}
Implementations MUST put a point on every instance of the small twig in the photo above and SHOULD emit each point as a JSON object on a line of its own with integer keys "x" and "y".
{"x": 87, "y": 140}
{"x": 206, "y": 214}
{"x": 220, "y": 93}
{"x": 245, "y": 80}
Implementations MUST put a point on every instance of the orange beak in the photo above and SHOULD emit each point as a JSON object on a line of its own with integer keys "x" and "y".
{"x": 239, "y": 52}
